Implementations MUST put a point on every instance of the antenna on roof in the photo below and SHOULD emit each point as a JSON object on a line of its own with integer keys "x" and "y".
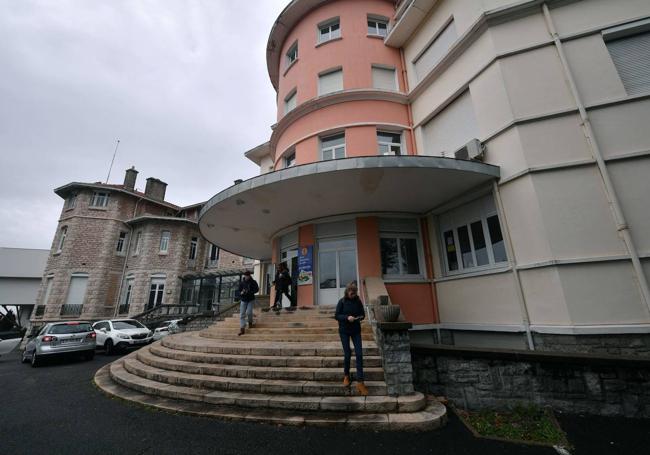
{"x": 113, "y": 160}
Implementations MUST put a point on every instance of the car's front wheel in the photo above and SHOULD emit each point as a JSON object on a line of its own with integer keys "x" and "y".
{"x": 35, "y": 360}
{"x": 108, "y": 347}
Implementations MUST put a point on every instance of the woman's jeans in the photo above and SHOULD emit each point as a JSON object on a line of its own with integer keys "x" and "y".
{"x": 246, "y": 310}
{"x": 347, "y": 352}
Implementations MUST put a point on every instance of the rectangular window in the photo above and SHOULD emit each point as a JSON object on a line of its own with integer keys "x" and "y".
{"x": 435, "y": 51}
{"x": 290, "y": 160}
{"x": 156, "y": 292}
{"x": 193, "y": 247}
{"x": 63, "y": 234}
{"x": 100, "y": 199}
{"x": 451, "y": 128}
{"x": 384, "y": 78}
{"x": 329, "y": 30}
{"x": 127, "y": 292}
{"x": 399, "y": 241}
{"x": 121, "y": 242}
{"x": 213, "y": 258}
{"x": 165, "y": 236}
{"x": 291, "y": 101}
{"x": 330, "y": 82}
{"x": 333, "y": 147}
{"x": 71, "y": 202}
{"x": 48, "y": 291}
{"x": 138, "y": 243}
{"x": 389, "y": 143}
{"x": 377, "y": 27}
{"x": 292, "y": 54}
{"x": 631, "y": 56}
{"x": 77, "y": 290}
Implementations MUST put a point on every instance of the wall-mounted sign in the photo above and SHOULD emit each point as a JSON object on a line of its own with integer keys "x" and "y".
{"x": 306, "y": 265}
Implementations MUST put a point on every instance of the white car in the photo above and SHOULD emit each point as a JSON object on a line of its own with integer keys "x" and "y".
{"x": 167, "y": 328}
{"x": 121, "y": 334}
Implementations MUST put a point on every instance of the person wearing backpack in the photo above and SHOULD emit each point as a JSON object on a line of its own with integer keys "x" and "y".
{"x": 248, "y": 287}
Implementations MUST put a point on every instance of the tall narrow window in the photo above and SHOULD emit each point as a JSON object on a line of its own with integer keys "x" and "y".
{"x": 435, "y": 51}
{"x": 156, "y": 292}
{"x": 100, "y": 199}
{"x": 62, "y": 235}
{"x": 292, "y": 54}
{"x": 377, "y": 26}
{"x": 333, "y": 147}
{"x": 631, "y": 55}
{"x": 290, "y": 101}
{"x": 389, "y": 143}
{"x": 127, "y": 292}
{"x": 138, "y": 243}
{"x": 193, "y": 247}
{"x": 384, "y": 78}
{"x": 121, "y": 242}
{"x": 329, "y": 30}
{"x": 77, "y": 290}
{"x": 165, "y": 236}
{"x": 213, "y": 259}
{"x": 71, "y": 202}
{"x": 290, "y": 160}
{"x": 330, "y": 81}
{"x": 48, "y": 291}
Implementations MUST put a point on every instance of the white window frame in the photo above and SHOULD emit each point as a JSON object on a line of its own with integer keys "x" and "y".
{"x": 634, "y": 81}
{"x": 399, "y": 236}
{"x": 390, "y": 145}
{"x": 395, "y": 87}
{"x": 376, "y": 29}
{"x": 71, "y": 202}
{"x": 49, "y": 283}
{"x": 290, "y": 159}
{"x": 100, "y": 199}
{"x": 331, "y": 34}
{"x": 194, "y": 247}
{"x": 333, "y": 148}
{"x": 63, "y": 233}
{"x": 157, "y": 285}
{"x": 327, "y": 73}
{"x": 213, "y": 262}
{"x": 138, "y": 243}
{"x": 289, "y": 100}
{"x": 165, "y": 239}
{"x": 292, "y": 54}
{"x": 127, "y": 292}
{"x": 122, "y": 240}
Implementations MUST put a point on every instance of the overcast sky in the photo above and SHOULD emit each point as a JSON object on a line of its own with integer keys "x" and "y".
{"x": 181, "y": 83}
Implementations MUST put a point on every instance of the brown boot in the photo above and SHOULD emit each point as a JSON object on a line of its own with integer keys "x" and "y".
{"x": 346, "y": 381}
{"x": 362, "y": 389}
{"x": 241, "y": 332}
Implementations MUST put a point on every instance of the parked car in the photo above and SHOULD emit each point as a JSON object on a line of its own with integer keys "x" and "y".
{"x": 167, "y": 328}
{"x": 121, "y": 334}
{"x": 58, "y": 338}
{"x": 9, "y": 339}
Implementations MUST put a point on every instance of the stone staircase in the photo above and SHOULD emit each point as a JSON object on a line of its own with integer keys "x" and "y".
{"x": 285, "y": 370}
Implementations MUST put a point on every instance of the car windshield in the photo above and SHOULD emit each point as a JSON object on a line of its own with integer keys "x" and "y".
{"x": 124, "y": 325}
{"x": 63, "y": 329}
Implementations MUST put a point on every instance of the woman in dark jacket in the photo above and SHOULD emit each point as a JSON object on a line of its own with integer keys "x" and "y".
{"x": 350, "y": 313}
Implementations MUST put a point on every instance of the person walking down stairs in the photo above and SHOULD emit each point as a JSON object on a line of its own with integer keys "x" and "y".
{"x": 350, "y": 313}
{"x": 248, "y": 287}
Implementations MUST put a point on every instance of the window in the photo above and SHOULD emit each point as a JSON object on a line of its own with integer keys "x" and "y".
{"x": 377, "y": 26}
{"x": 127, "y": 292}
{"x": 389, "y": 143}
{"x": 452, "y": 128}
{"x": 71, "y": 202}
{"x": 333, "y": 147}
{"x": 156, "y": 292}
{"x": 331, "y": 81}
{"x": 193, "y": 246}
{"x": 62, "y": 236}
{"x": 138, "y": 243}
{"x": 165, "y": 236}
{"x": 472, "y": 237}
{"x": 290, "y": 160}
{"x": 292, "y": 54}
{"x": 77, "y": 290}
{"x": 329, "y": 30}
{"x": 100, "y": 199}
{"x": 48, "y": 290}
{"x": 435, "y": 51}
{"x": 384, "y": 78}
{"x": 213, "y": 258}
{"x": 290, "y": 102}
{"x": 121, "y": 242}
{"x": 399, "y": 245}
{"x": 631, "y": 55}
{"x": 248, "y": 261}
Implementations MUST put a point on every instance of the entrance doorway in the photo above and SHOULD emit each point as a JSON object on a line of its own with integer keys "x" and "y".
{"x": 337, "y": 266}
{"x": 290, "y": 258}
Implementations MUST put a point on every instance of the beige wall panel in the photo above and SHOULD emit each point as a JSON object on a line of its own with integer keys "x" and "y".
{"x": 536, "y": 83}
{"x": 576, "y": 214}
{"x": 266, "y": 165}
{"x": 544, "y": 296}
{"x": 623, "y": 128}
{"x": 490, "y": 299}
{"x": 490, "y": 100}
{"x": 506, "y": 152}
{"x": 604, "y": 293}
{"x": 520, "y": 33}
{"x": 554, "y": 141}
{"x": 593, "y": 69}
{"x": 589, "y": 14}
{"x": 525, "y": 221}
{"x": 631, "y": 179}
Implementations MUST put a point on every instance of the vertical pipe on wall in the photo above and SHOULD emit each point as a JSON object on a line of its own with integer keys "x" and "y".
{"x": 614, "y": 203}
{"x": 505, "y": 229}
{"x": 409, "y": 110}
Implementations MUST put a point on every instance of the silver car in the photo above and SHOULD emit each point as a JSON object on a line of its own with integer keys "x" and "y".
{"x": 61, "y": 338}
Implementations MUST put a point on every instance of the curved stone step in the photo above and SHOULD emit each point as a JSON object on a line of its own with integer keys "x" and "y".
{"x": 270, "y": 328}
{"x": 251, "y": 335}
{"x": 145, "y": 356}
{"x": 250, "y": 360}
{"x": 135, "y": 367}
{"x": 414, "y": 403}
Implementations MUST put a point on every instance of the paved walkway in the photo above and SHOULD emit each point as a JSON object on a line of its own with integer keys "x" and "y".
{"x": 56, "y": 409}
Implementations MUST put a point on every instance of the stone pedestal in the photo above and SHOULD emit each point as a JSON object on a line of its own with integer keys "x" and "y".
{"x": 394, "y": 345}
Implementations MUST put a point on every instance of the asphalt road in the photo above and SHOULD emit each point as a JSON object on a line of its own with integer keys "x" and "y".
{"x": 55, "y": 409}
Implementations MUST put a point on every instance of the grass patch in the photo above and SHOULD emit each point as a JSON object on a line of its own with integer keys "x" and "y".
{"x": 528, "y": 424}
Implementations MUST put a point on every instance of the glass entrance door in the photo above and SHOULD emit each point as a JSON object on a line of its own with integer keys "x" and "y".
{"x": 337, "y": 266}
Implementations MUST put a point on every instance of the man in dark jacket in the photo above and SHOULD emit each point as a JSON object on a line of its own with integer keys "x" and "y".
{"x": 248, "y": 287}
{"x": 282, "y": 283}
{"x": 350, "y": 313}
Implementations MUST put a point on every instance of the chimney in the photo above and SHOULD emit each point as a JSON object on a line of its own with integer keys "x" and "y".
{"x": 130, "y": 178}
{"x": 155, "y": 189}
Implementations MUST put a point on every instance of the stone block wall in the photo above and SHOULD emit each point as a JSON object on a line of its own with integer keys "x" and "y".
{"x": 395, "y": 347}
{"x": 588, "y": 384}
{"x": 619, "y": 344}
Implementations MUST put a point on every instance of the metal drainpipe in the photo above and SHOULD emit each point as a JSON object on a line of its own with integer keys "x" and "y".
{"x": 615, "y": 206}
{"x": 525, "y": 315}
{"x": 126, "y": 261}
{"x": 409, "y": 110}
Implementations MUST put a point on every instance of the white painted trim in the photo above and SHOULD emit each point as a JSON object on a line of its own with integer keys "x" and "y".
{"x": 591, "y": 329}
{"x": 510, "y": 328}
{"x": 485, "y": 272}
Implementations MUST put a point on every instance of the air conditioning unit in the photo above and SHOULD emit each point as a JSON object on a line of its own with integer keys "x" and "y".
{"x": 473, "y": 150}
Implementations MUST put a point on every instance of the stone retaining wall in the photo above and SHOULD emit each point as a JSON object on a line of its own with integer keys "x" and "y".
{"x": 481, "y": 379}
